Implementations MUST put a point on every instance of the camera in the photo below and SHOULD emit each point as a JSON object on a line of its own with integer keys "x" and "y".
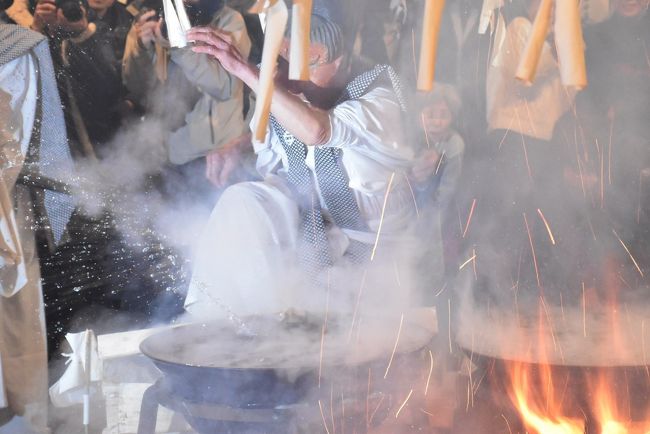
{"x": 200, "y": 12}
{"x": 72, "y": 9}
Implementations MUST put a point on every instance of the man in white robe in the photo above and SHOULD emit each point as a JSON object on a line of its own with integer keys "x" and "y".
{"x": 258, "y": 250}
{"x": 28, "y": 103}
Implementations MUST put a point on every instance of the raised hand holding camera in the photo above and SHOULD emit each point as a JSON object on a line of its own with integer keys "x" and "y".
{"x": 72, "y": 21}
{"x": 63, "y": 17}
{"x": 148, "y": 27}
{"x": 44, "y": 15}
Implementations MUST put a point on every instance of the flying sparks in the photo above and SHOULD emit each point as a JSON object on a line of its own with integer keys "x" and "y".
{"x": 383, "y": 212}
{"x": 548, "y": 228}
{"x": 469, "y": 217}
{"x": 399, "y": 332}
{"x": 442, "y": 157}
{"x": 629, "y": 253}
{"x": 467, "y": 262}
{"x": 415, "y": 202}
{"x": 584, "y": 311}
{"x": 320, "y": 406}
{"x": 403, "y": 404}
{"x": 426, "y": 388}
{"x": 358, "y": 302}
{"x": 532, "y": 249}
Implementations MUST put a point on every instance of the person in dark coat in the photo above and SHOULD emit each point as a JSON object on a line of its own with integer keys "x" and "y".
{"x": 88, "y": 53}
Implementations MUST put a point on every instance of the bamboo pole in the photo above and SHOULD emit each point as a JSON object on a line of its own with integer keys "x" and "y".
{"x": 570, "y": 44}
{"x": 300, "y": 29}
{"x": 276, "y": 22}
{"x": 429, "y": 47}
{"x": 530, "y": 57}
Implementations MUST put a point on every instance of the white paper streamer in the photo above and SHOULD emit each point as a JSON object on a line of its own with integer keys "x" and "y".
{"x": 177, "y": 22}
{"x": 3, "y": 397}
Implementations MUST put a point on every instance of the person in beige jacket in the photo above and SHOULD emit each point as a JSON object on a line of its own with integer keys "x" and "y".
{"x": 19, "y": 13}
{"x": 200, "y": 102}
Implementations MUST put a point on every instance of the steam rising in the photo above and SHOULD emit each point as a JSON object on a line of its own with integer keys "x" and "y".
{"x": 557, "y": 239}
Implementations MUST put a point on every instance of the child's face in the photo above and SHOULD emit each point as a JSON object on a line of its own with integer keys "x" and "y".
{"x": 437, "y": 118}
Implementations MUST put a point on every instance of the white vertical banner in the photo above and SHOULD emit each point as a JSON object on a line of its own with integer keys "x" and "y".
{"x": 3, "y": 396}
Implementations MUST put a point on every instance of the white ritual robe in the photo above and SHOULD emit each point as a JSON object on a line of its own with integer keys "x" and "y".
{"x": 23, "y": 354}
{"x": 246, "y": 261}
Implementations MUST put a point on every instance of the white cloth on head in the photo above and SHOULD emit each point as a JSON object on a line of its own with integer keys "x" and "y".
{"x": 23, "y": 378}
{"x": 247, "y": 259}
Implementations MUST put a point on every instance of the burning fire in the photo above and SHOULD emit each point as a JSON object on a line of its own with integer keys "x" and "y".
{"x": 545, "y": 395}
{"x": 610, "y": 413}
{"x": 541, "y": 410}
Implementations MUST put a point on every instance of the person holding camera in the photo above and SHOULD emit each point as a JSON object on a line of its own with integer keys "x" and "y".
{"x": 89, "y": 39}
{"x": 199, "y": 101}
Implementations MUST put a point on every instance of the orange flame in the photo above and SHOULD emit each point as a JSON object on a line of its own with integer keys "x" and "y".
{"x": 545, "y": 408}
{"x": 541, "y": 412}
{"x": 534, "y": 393}
{"x": 612, "y": 411}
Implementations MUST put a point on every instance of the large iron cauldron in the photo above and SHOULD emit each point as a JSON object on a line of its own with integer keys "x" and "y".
{"x": 577, "y": 349}
{"x": 258, "y": 375}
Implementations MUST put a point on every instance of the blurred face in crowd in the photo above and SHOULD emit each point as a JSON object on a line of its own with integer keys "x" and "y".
{"x": 437, "y": 119}
{"x": 100, "y": 6}
{"x": 391, "y": 38}
{"x": 630, "y": 8}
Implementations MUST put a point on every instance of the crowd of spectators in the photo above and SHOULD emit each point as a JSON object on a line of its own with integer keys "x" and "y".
{"x": 115, "y": 68}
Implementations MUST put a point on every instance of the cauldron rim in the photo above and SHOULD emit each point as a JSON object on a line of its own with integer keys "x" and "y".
{"x": 424, "y": 338}
{"x": 484, "y": 359}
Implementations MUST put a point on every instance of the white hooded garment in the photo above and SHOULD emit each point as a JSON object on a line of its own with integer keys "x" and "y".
{"x": 23, "y": 354}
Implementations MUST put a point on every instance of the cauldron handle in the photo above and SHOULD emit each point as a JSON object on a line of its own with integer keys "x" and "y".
{"x": 149, "y": 409}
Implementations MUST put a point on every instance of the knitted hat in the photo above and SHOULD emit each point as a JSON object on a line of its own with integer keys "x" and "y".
{"x": 326, "y": 32}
